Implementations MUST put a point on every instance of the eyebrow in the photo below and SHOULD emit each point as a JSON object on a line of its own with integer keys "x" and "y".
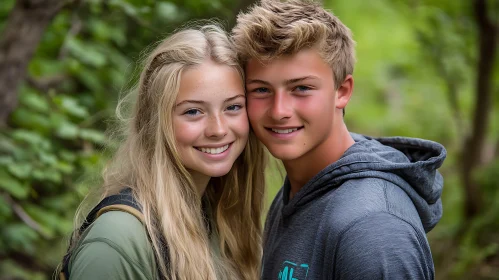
{"x": 203, "y": 102}
{"x": 286, "y": 82}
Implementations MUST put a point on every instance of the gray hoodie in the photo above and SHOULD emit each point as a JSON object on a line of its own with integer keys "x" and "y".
{"x": 364, "y": 216}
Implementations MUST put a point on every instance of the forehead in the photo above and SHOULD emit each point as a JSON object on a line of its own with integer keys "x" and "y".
{"x": 303, "y": 63}
{"x": 209, "y": 80}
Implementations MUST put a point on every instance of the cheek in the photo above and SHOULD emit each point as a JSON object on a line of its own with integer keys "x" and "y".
{"x": 240, "y": 126}
{"x": 321, "y": 105}
{"x": 186, "y": 133}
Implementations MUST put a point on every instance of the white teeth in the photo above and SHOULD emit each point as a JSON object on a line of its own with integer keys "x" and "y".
{"x": 214, "y": 151}
{"x": 284, "y": 131}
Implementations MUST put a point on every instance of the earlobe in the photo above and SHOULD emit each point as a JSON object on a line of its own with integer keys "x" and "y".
{"x": 344, "y": 92}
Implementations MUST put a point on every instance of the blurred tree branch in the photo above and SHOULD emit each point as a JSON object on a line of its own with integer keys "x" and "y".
{"x": 45, "y": 83}
{"x": 23, "y": 31}
{"x": 451, "y": 84}
{"x": 23, "y": 215}
{"x": 76, "y": 26}
{"x": 473, "y": 146}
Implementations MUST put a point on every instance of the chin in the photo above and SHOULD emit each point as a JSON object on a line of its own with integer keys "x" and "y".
{"x": 285, "y": 154}
{"x": 281, "y": 155}
{"x": 217, "y": 172}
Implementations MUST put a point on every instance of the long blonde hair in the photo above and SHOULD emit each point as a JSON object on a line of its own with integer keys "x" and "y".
{"x": 149, "y": 164}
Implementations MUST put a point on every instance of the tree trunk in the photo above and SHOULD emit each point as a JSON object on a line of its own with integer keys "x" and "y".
{"x": 23, "y": 31}
{"x": 474, "y": 144}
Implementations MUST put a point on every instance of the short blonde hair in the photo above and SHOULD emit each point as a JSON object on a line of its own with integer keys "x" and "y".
{"x": 273, "y": 28}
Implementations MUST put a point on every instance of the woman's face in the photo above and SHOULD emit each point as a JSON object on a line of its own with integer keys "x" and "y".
{"x": 209, "y": 118}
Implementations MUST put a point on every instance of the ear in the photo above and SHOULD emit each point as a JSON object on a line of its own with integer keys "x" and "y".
{"x": 344, "y": 92}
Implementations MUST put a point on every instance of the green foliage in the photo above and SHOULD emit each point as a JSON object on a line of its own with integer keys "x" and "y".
{"x": 480, "y": 243}
{"x": 42, "y": 155}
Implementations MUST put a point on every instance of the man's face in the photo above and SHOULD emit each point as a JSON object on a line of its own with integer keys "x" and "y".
{"x": 292, "y": 103}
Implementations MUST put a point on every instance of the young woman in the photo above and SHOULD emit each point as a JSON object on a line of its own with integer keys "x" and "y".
{"x": 192, "y": 164}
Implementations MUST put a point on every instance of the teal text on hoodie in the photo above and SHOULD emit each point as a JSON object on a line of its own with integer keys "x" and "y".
{"x": 364, "y": 216}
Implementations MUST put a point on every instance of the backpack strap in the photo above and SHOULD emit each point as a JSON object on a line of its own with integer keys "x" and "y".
{"x": 123, "y": 201}
{"x": 121, "y": 207}
{"x": 123, "y": 198}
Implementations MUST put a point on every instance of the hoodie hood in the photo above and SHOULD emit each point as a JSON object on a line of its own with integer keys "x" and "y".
{"x": 409, "y": 163}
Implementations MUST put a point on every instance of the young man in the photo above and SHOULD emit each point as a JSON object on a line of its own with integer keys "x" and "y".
{"x": 351, "y": 207}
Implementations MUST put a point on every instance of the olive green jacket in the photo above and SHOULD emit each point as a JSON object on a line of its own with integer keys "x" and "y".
{"x": 115, "y": 246}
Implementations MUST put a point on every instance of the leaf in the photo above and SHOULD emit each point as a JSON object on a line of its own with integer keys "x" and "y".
{"x": 38, "y": 175}
{"x": 6, "y": 160}
{"x": 61, "y": 202}
{"x": 47, "y": 158}
{"x": 64, "y": 167}
{"x": 92, "y": 135}
{"x": 27, "y": 143}
{"x": 27, "y": 137}
{"x": 67, "y": 155}
{"x": 21, "y": 170}
{"x": 86, "y": 52}
{"x": 90, "y": 80}
{"x": 32, "y": 120}
{"x": 4, "y": 208}
{"x": 13, "y": 186}
{"x": 47, "y": 175}
{"x": 67, "y": 130}
{"x": 6, "y": 144}
{"x": 90, "y": 160}
{"x": 167, "y": 10}
{"x": 53, "y": 175}
{"x": 128, "y": 8}
{"x": 20, "y": 236}
{"x": 71, "y": 106}
{"x": 45, "y": 66}
{"x": 104, "y": 31}
{"x": 34, "y": 101}
{"x": 47, "y": 219}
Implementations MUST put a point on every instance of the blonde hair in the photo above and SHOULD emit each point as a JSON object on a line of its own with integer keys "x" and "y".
{"x": 148, "y": 163}
{"x": 273, "y": 28}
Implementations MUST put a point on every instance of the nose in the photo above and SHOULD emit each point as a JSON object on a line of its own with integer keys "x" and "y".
{"x": 216, "y": 127}
{"x": 281, "y": 106}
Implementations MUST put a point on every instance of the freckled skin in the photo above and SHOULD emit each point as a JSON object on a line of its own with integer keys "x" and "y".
{"x": 298, "y": 91}
{"x": 213, "y": 121}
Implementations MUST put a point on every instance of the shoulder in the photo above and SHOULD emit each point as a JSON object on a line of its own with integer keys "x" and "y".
{"x": 382, "y": 245}
{"x": 359, "y": 198}
{"x": 117, "y": 246}
{"x": 119, "y": 227}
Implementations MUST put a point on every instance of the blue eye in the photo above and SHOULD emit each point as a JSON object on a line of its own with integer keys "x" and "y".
{"x": 302, "y": 88}
{"x": 235, "y": 107}
{"x": 192, "y": 112}
{"x": 260, "y": 90}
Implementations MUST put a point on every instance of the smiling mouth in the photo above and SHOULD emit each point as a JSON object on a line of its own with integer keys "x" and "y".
{"x": 213, "y": 151}
{"x": 285, "y": 131}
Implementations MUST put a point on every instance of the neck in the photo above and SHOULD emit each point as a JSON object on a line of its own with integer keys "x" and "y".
{"x": 301, "y": 170}
{"x": 200, "y": 181}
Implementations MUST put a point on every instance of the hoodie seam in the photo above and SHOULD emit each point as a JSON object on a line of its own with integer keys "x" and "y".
{"x": 340, "y": 166}
{"x": 387, "y": 205}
